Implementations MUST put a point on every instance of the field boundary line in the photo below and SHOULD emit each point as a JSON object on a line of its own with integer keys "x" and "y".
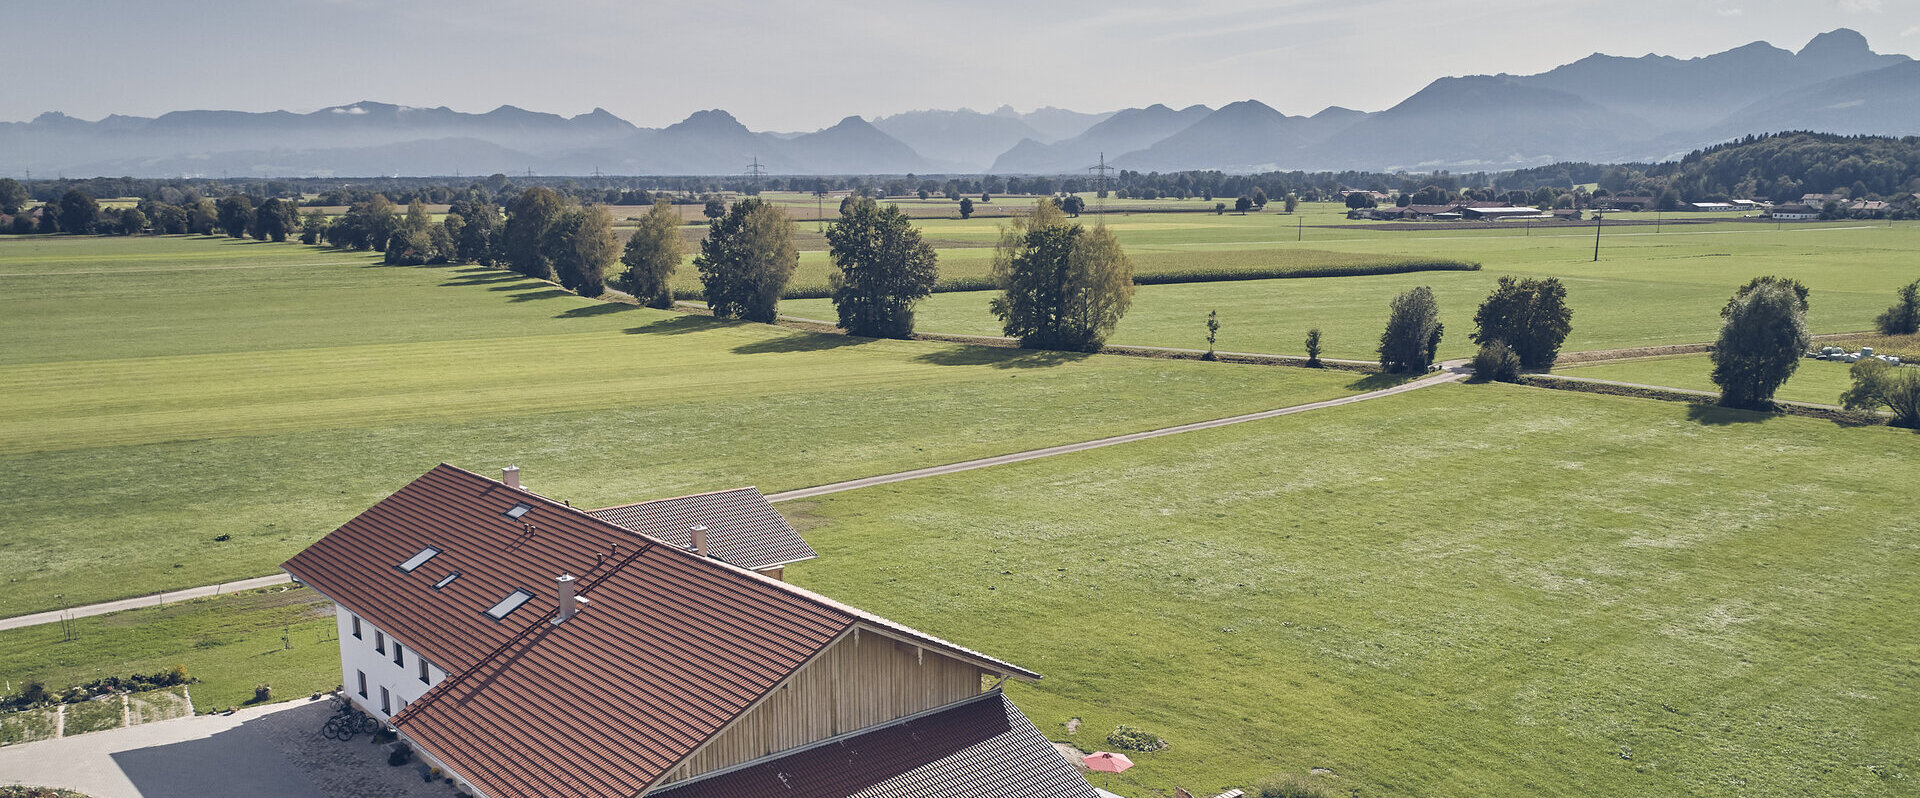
{"x": 187, "y": 269}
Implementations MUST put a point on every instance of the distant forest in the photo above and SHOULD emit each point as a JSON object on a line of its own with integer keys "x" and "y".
{"x": 1780, "y": 167}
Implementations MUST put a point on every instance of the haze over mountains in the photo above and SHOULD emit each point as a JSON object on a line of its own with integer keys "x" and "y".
{"x": 1599, "y": 108}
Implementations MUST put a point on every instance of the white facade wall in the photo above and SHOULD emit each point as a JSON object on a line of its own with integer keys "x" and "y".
{"x": 358, "y": 655}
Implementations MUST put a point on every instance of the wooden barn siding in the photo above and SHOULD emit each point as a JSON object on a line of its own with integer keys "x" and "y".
{"x": 862, "y": 681}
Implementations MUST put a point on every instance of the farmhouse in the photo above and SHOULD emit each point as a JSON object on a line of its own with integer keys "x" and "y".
{"x": 1791, "y": 212}
{"x": 528, "y": 649}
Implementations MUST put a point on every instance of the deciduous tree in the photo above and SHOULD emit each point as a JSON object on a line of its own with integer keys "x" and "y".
{"x": 1877, "y": 384}
{"x": 236, "y": 215}
{"x": 1531, "y": 316}
{"x": 884, "y": 269}
{"x": 528, "y": 218}
{"x": 651, "y": 256}
{"x": 589, "y": 248}
{"x": 78, "y": 212}
{"x": 1904, "y": 317}
{"x": 746, "y": 260}
{"x": 1760, "y": 344}
{"x": 1413, "y": 332}
{"x": 1063, "y": 286}
{"x": 13, "y": 196}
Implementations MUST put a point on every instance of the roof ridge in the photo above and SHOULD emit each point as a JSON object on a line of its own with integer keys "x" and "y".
{"x": 753, "y": 488}
{"x": 797, "y": 591}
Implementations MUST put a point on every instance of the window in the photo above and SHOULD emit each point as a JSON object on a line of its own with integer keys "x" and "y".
{"x": 518, "y": 510}
{"x": 386, "y": 702}
{"x": 446, "y": 580}
{"x": 379, "y": 641}
{"x": 363, "y": 683}
{"x": 399, "y": 654}
{"x": 356, "y": 626}
{"x": 423, "y": 669}
{"x": 418, "y": 560}
{"x": 509, "y": 604}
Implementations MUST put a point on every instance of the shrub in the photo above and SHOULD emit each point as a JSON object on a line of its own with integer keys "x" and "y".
{"x": 1496, "y": 362}
{"x": 1877, "y": 384}
{"x": 1313, "y": 348}
{"x": 1904, "y": 317}
{"x": 1128, "y": 738}
{"x": 1293, "y": 785}
{"x": 262, "y": 693}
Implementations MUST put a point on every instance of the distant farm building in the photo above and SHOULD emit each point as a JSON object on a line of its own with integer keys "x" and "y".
{"x": 1795, "y": 212}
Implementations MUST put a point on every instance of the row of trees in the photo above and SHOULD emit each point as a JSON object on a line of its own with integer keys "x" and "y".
{"x": 1521, "y": 325}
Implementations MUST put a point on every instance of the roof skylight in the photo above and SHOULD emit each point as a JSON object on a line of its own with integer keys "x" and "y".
{"x": 509, "y": 604}
{"x": 518, "y": 510}
{"x": 418, "y": 560}
{"x": 446, "y": 580}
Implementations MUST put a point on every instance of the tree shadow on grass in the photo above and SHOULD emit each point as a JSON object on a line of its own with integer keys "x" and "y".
{"x": 484, "y": 277}
{"x": 799, "y": 342}
{"x": 1379, "y": 381}
{"x": 1717, "y": 416}
{"x": 550, "y": 293}
{"x": 1000, "y": 357}
{"x": 595, "y": 309}
{"x": 677, "y": 325}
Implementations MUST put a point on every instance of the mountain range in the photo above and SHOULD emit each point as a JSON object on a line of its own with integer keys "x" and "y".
{"x": 1599, "y": 108}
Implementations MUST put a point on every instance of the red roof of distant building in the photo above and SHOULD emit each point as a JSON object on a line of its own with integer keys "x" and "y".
{"x": 743, "y": 528}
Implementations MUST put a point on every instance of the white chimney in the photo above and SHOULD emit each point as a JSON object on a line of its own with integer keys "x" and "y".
{"x": 510, "y": 476}
{"x": 564, "y": 584}
{"x": 699, "y": 539}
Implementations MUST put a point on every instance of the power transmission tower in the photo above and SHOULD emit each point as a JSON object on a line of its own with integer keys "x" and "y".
{"x": 1101, "y": 170}
{"x": 754, "y": 173}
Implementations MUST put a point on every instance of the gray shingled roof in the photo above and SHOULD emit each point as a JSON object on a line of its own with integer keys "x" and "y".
{"x": 742, "y": 528}
{"x": 984, "y": 748}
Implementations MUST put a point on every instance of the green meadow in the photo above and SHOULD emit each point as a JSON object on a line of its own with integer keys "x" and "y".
{"x": 1649, "y": 288}
{"x": 1461, "y": 591}
{"x": 161, "y": 397}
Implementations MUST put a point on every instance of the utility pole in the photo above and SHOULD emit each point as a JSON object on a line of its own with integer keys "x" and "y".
{"x": 1596, "y": 238}
{"x": 1299, "y": 227}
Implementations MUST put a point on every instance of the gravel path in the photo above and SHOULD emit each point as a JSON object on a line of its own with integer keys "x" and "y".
{"x": 273, "y": 750}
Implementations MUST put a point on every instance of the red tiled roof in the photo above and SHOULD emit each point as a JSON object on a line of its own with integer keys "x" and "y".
{"x": 670, "y": 648}
{"x": 984, "y": 748}
{"x": 743, "y": 528}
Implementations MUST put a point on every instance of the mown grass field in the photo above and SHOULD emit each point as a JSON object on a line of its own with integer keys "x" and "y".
{"x": 165, "y": 392}
{"x": 1649, "y": 288}
{"x": 1815, "y": 381}
{"x": 1461, "y": 591}
{"x": 283, "y": 637}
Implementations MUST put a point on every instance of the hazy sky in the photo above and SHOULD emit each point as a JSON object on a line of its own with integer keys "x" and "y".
{"x": 801, "y": 66}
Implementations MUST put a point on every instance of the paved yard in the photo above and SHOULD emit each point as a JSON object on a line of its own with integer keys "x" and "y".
{"x": 275, "y": 750}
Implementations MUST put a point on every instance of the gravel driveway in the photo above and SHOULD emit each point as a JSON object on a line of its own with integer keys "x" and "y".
{"x": 275, "y": 750}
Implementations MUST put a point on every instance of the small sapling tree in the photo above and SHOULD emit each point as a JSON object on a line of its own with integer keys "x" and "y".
{"x": 1313, "y": 348}
{"x": 1213, "y": 333}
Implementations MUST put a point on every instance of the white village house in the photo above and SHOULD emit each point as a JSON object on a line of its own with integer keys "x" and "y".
{"x": 530, "y": 649}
